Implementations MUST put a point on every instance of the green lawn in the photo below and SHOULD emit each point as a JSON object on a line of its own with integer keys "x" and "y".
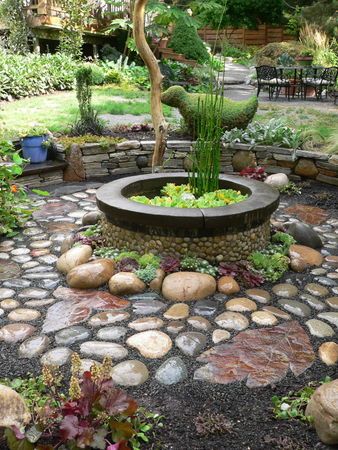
{"x": 57, "y": 111}
{"x": 319, "y": 128}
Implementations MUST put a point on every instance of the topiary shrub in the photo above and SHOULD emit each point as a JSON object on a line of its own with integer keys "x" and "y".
{"x": 235, "y": 114}
{"x": 185, "y": 40}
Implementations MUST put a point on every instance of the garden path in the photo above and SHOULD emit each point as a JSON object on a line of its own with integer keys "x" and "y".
{"x": 262, "y": 335}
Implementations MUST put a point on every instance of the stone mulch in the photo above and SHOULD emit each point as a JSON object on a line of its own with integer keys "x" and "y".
{"x": 266, "y": 333}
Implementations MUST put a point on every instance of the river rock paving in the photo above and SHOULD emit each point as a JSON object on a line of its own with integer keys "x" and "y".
{"x": 255, "y": 335}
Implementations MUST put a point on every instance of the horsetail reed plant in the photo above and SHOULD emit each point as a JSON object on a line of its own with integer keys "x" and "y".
{"x": 204, "y": 173}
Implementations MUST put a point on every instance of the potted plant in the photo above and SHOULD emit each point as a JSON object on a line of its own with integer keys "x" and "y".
{"x": 305, "y": 57}
{"x": 34, "y": 144}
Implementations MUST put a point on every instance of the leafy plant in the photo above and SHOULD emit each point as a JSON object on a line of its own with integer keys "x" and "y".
{"x": 104, "y": 141}
{"x": 242, "y": 272}
{"x": 290, "y": 188}
{"x": 127, "y": 265}
{"x": 272, "y": 266}
{"x": 293, "y": 405}
{"x": 106, "y": 252}
{"x": 274, "y": 132}
{"x": 92, "y": 414}
{"x": 149, "y": 259}
{"x": 283, "y": 240}
{"x": 88, "y": 123}
{"x": 13, "y": 197}
{"x": 254, "y": 173}
{"x": 285, "y": 60}
{"x": 180, "y": 196}
{"x": 32, "y": 74}
{"x": 198, "y": 265}
{"x": 12, "y": 13}
{"x": 144, "y": 423}
{"x": 170, "y": 264}
{"x": 126, "y": 254}
{"x": 91, "y": 236}
{"x": 146, "y": 274}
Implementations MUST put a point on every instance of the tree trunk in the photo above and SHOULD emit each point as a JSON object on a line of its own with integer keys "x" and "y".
{"x": 159, "y": 122}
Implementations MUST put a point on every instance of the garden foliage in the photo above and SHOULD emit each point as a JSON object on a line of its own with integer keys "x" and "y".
{"x": 275, "y": 132}
{"x": 32, "y": 74}
{"x": 13, "y": 212}
{"x": 234, "y": 114}
{"x": 185, "y": 40}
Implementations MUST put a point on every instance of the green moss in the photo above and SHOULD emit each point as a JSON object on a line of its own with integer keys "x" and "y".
{"x": 104, "y": 141}
{"x": 235, "y": 114}
{"x": 185, "y": 40}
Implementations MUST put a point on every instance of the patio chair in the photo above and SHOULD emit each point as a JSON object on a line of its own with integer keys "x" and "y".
{"x": 321, "y": 81}
{"x": 269, "y": 76}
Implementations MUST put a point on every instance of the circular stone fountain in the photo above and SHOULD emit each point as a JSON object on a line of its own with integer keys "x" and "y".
{"x": 227, "y": 233}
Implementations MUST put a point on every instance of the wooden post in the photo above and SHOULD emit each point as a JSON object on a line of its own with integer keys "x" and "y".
{"x": 159, "y": 122}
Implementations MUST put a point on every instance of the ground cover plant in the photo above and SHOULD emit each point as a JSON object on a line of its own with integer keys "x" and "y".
{"x": 181, "y": 196}
{"x": 273, "y": 132}
{"x": 91, "y": 413}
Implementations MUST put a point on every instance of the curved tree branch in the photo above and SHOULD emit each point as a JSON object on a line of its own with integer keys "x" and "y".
{"x": 159, "y": 122}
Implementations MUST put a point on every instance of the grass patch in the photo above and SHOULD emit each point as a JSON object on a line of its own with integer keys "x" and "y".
{"x": 57, "y": 111}
{"x": 317, "y": 127}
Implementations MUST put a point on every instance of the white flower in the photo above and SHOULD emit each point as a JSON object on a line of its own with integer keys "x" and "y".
{"x": 284, "y": 406}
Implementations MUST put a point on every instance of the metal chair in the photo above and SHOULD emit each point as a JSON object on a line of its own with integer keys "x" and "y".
{"x": 320, "y": 80}
{"x": 268, "y": 76}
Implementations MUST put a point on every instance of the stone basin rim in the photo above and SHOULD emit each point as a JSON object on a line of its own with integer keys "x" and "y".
{"x": 113, "y": 200}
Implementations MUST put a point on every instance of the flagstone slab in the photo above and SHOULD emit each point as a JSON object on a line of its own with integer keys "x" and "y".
{"x": 260, "y": 357}
{"x": 309, "y": 214}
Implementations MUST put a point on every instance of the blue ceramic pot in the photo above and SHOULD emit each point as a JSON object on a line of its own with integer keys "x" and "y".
{"x": 33, "y": 149}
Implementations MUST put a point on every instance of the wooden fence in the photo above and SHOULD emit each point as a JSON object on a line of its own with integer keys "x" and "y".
{"x": 263, "y": 35}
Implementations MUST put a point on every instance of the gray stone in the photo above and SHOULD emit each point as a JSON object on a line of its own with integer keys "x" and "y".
{"x": 277, "y": 179}
{"x": 285, "y": 290}
{"x": 191, "y": 343}
{"x": 70, "y": 335}
{"x": 207, "y": 307}
{"x": 33, "y": 293}
{"x": 6, "y": 293}
{"x": 16, "y": 283}
{"x": 33, "y": 346}
{"x": 111, "y": 333}
{"x": 295, "y": 307}
{"x": 91, "y": 218}
{"x": 304, "y": 234}
{"x": 56, "y": 357}
{"x": 319, "y": 329}
{"x": 100, "y": 349}
{"x": 331, "y": 317}
{"x": 326, "y": 281}
{"x": 148, "y": 306}
{"x": 313, "y": 302}
{"x": 316, "y": 289}
{"x": 172, "y": 371}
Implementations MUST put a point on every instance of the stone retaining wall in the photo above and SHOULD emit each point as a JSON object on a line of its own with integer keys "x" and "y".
{"x": 134, "y": 157}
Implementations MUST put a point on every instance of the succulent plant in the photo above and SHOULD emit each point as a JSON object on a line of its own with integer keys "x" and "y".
{"x": 127, "y": 265}
{"x": 170, "y": 264}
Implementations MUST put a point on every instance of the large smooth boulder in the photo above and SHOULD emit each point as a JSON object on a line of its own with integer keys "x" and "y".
{"x": 188, "y": 286}
{"x": 306, "y": 168}
{"x": 126, "y": 283}
{"x": 243, "y": 159}
{"x": 91, "y": 275}
{"x": 91, "y": 218}
{"x": 307, "y": 255}
{"x": 277, "y": 180}
{"x": 228, "y": 285}
{"x": 323, "y": 407}
{"x": 156, "y": 283}
{"x": 74, "y": 257}
{"x": 304, "y": 234}
{"x": 13, "y": 409}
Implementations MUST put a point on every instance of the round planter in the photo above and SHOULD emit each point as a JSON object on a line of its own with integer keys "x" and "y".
{"x": 33, "y": 149}
{"x": 228, "y": 233}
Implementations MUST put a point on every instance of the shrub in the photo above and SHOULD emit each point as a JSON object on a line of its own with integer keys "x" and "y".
{"x": 98, "y": 75}
{"x": 88, "y": 123}
{"x": 319, "y": 43}
{"x": 185, "y": 40}
{"x": 113, "y": 76}
{"x": 33, "y": 74}
{"x": 270, "y": 53}
{"x": 235, "y": 114}
{"x": 12, "y": 196}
